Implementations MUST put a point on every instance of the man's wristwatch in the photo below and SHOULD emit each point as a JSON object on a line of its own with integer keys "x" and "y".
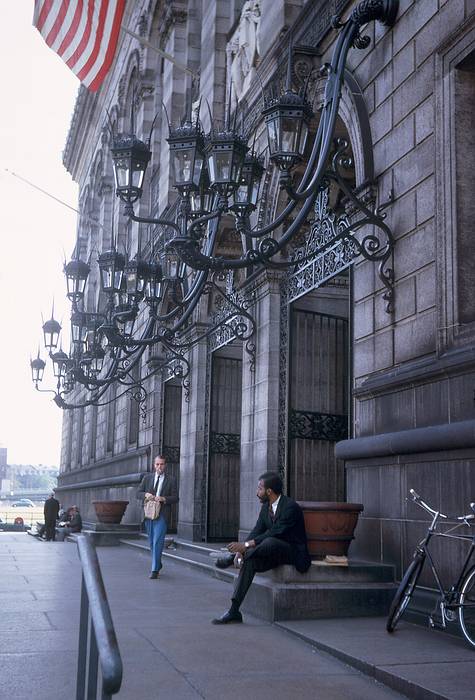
{"x": 247, "y": 545}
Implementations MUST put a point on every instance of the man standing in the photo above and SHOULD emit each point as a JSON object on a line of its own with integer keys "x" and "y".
{"x": 161, "y": 487}
{"x": 50, "y": 510}
{"x": 278, "y": 538}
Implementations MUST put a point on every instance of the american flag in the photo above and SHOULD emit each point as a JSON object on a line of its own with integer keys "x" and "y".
{"x": 83, "y": 32}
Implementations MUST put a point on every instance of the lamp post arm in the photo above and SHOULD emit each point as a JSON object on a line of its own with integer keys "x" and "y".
{"x": 129, "y": 211}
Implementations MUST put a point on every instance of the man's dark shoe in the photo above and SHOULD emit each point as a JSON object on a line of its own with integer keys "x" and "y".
{"x": 229, "y": 618}
{"x": 225, "y": 562}
{"x": 154, "y": 574}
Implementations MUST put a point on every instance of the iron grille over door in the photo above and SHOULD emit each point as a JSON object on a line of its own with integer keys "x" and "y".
{"x": 224, "y": 448}
{"x": 171, "y": 440}
{"x": 318, "y": 400}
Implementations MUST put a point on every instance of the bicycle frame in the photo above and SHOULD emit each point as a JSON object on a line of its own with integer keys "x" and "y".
{"x": 446, "y": 601}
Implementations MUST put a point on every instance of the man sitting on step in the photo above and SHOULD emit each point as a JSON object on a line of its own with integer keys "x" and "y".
{"x": 278, "y": 538}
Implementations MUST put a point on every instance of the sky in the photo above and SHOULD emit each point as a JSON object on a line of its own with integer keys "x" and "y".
{"x": 38, "y": 93}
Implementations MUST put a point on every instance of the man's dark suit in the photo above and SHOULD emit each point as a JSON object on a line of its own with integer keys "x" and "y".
{"x": 50, "y": 510}
{"x": 279, "y": 541}
{"x": 157, "y": 529}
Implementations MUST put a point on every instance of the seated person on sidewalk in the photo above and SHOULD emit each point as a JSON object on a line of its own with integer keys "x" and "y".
{"x": 73, "y": 524}
{"x": 278, "y": 538}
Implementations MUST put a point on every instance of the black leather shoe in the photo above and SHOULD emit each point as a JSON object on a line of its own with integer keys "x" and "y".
{"x": 225, "y": 562}
{"x": 229, "y": 618}
{"x": 154, "y": 574}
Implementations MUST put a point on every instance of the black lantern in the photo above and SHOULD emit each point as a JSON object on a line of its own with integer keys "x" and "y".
{"x": 136, "y": 273}
{"x": 130, "y": 158}
{"x": 154, "y": 285}
{"x": 201, "y": 199}
{"x": 37, "y": 368}
{"x": 111, "y": 266}
{"x": 78, "y": 327}
{"x": 170, "y": 263}
{"x": 187, "y": 156}
{"x": 225, "y": 152}
{"x": 51, "y": 331}
{"x": 247, "y": 193}
{"x": 85, "y": 363}
{"x": 287, "y": 120}
{"x": 68, "y": 382}
{"x": 93, "y": 333}
{"x": 97, "y": 356}
{"x": 76, "y": 272}
{"x": 60, "y": 362}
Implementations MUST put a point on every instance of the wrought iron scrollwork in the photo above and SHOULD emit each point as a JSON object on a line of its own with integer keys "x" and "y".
{"x": 311, "y": 425}
{"x": 171, "y": 454}
{"x": 225, "y": 443}
{"x": 333, "y": 242}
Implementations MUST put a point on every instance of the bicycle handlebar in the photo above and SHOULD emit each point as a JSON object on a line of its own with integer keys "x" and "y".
{"x": 418, "y": 500}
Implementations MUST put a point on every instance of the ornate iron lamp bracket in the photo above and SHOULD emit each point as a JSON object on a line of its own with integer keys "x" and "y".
{"x": 333, "y": 244}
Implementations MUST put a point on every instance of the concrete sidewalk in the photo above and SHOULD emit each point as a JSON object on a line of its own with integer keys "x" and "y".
{"x": 170, "y": 649}
{"x": 168, "y": 646}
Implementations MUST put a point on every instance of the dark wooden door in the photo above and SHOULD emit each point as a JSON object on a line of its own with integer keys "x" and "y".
{"x": 224, "y": 449}
{"x": 171, "y": 440}
{"x": 318, "y": 403}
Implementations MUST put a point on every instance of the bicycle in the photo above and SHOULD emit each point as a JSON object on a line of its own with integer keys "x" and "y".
{"x": 459, "y": 600}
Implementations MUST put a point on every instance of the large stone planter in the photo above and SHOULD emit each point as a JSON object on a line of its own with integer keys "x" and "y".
{"x": 330, "y": 526}
{"x": 110, "y": 511}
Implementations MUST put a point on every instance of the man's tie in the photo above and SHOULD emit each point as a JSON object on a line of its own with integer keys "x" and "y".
{"x": 271, "y": 513}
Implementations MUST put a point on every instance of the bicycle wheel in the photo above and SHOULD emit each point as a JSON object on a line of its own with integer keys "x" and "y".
{"x": 404, "y": 592}
{"x": 467, "y": 607}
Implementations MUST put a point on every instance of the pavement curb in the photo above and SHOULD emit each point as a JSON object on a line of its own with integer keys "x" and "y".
{"x": 391, "y": 680}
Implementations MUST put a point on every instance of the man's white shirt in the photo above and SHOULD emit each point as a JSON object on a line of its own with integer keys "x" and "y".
{"x": 275, "y": 504}
{"x": 158, "y": 487}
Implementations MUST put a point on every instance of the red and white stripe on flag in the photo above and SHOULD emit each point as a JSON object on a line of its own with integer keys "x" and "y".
{"x": 83, "y": 32}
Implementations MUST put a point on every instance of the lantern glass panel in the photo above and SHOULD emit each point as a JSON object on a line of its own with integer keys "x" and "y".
{"x": 133, "y": 282}
{"x": 241, "y": 193}
{"x": 78, "y": 331}
{"x": 255, "y": 191}
{"x": 170, "y": 266}
{"x": 121, "y": 172}
{"x": 303, "y": 137}
{"x": 220, "y": 166}
{"x": 197, "y": 169}
{"x": 58, "y": 368}
{"x": 138, "y": 173}
{"x": 182, "y": 162}
{"x": 290, "y": 135}
{"x": 236, "y": 167}
{"x": 273, "y": 135}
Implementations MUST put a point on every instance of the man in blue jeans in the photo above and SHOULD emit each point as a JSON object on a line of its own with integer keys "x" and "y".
{"x": 161, "y": 487}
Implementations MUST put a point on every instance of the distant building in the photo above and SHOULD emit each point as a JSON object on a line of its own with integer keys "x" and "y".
{"x": 5, "y": 480}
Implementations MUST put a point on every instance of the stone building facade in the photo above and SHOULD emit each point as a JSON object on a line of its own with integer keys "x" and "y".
{"x": 393, "y": 391}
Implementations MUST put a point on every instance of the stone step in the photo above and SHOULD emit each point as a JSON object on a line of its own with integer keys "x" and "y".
{"x": 356, "y": 590}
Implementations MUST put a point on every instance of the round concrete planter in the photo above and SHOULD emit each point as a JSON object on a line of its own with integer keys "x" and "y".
{"x": 110, "y": 511}
{"x": 330, "y": 526}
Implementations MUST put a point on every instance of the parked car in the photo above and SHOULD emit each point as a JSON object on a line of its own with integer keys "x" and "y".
{"x": 23, "y": 503}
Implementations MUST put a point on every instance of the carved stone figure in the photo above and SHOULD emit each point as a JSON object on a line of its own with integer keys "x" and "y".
{"x": 243, "y": 49}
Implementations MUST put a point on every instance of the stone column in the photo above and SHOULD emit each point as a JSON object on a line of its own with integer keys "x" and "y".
{"x": 194, "y": 448}
{"x": 260, "y": 400}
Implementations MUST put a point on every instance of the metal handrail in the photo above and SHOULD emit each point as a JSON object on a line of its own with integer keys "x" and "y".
{"x": 97, "y": 638}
